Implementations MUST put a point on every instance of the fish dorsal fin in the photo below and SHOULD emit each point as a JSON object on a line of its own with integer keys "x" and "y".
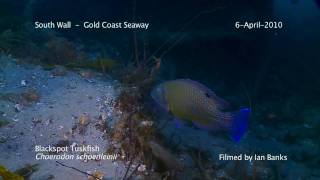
{"x": 221, "y": 103}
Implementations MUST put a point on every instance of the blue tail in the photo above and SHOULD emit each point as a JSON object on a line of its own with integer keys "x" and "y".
{"x": 240, "y": 124}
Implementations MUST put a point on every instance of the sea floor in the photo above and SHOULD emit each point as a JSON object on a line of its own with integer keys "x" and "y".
{"x": 67, "y": 98}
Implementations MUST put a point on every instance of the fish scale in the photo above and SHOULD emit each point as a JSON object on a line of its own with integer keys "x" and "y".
{"x": 195, "y": 106}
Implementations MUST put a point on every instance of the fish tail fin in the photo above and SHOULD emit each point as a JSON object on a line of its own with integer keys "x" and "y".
{"x": 239, "y": 124}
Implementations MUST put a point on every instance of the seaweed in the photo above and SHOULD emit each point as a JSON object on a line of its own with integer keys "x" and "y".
{"x": 134, "y": 134}
{"x": 27, "y": 170}
{"x": 130, "y": 135}
{"x": 61, "y": 51}
{"x": 7, "y": 175}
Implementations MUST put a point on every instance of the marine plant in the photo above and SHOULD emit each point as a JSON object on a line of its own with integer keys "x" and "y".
{"x": 6, "y": 174}
{"x": 135, "y": 137}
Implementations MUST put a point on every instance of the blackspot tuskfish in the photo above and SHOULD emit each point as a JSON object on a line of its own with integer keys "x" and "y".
{"x": 191, "y": 101}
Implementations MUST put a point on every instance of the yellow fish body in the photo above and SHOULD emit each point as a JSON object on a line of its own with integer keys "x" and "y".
{"x": 189, "y": 100}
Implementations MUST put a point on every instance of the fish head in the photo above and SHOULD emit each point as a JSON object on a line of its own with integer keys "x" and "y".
{"x": 159, "y": 96}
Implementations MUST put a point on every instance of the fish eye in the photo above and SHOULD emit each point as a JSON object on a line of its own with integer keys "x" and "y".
{"x": 207, "y": 95}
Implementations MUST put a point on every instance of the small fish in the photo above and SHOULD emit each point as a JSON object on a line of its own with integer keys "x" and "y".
{"x": 189, "y": 100}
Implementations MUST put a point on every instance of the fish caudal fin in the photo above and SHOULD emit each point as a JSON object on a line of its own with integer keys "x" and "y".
{"x": 240, "y": 124}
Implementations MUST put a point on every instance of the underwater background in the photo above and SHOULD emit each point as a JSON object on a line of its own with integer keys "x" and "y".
{"x": 97, "y": 82}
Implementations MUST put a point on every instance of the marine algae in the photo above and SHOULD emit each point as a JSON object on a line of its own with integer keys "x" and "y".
{"x": 7, "y": 175}
{"x": 27, "y": 170}
{"x": 134, "y": 134}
